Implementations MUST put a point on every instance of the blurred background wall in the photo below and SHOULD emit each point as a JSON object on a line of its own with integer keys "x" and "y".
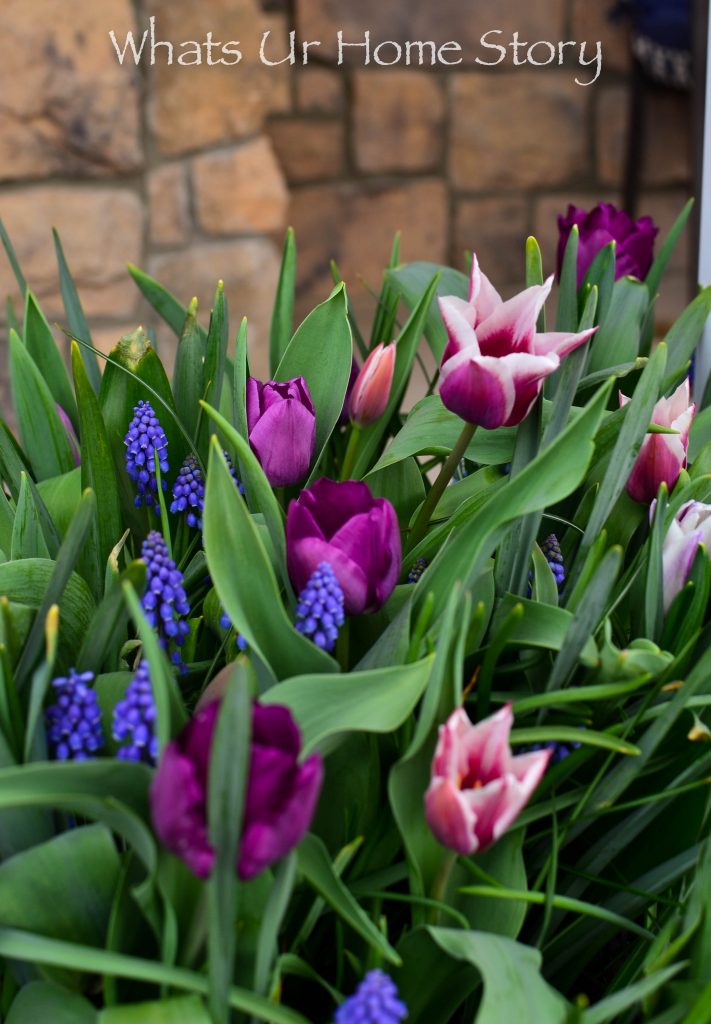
{"x": 193, "y": 173}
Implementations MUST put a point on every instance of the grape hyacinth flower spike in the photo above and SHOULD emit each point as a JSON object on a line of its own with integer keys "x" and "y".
{"x": 134, "y": 719}
{"x": 74, "y": 721}
{"x": 144, "y": 438}
{"x": 164, "y": 601}
{"x": 375, "y": 1001}
{"x": 319, "y": 612}
{"x": 554, "y": 556}
{"x": 189, "y": 490}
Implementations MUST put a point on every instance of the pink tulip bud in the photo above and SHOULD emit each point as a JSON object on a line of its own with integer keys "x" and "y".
{"x": 478, "y": 788}
{"x": 662, "y": 456}
{"x": 690, "y": 527}
{"x": 371, "y": 391}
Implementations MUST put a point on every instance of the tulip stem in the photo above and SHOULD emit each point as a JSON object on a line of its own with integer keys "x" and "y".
{"x": 351, "y": 451}
{"x": 441, "y": 881}
{"x": 437, "y": 489}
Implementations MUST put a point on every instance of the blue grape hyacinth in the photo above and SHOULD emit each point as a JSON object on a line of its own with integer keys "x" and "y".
{"x": 416, "y": 570}
{"x": 319, "y": 611}
{"x": 74, "y": 721}
{"x": 189, "y": 489}
{"x": 554, "y": 556}
{"x": 144, "y": 437}
{"x": 375, "y": 1001}
{"x": 134, "y": 719}
{"x": 164, "y": 601}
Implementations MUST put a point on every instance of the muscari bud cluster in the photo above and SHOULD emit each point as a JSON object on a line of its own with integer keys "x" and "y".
{"x": 319, "y": 611}
{"x": 134, "y": 719}
{"x": 189, "y": 490}
{"x": 375, "y": 1001}
{"x": 144, "y": 438}
{"x": 553, "y": 555}
{"x": 164, "y": 601}
{"x": 416, "y": 570}
{"x": 74, "y": 721}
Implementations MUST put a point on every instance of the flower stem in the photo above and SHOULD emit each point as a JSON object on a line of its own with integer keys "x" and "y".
{"x": 437, "y": 489}
{"x": 440, "y": 883}
{"x": 351, "y": 451}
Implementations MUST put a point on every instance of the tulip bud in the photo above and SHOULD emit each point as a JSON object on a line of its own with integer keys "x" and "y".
{"x": 662, "y": 456}
{"x": 281, "y": 421}
{"x": 478, "y": 788}
{"x": 634, "y": 239}
{"x": 690, "y": 527}
{"x": 371, "y": 391}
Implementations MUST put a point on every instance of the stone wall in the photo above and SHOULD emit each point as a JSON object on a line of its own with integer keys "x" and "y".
{"x": 194, "y": 172}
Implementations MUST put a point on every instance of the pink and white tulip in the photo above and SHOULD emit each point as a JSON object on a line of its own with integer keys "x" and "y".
{"x": 495, "y": 363}
{"x": 371, "y": 391}
{"x": 690, "y": 527}
{"x": 662, "y": 456}
{"x": 478, "y": 788}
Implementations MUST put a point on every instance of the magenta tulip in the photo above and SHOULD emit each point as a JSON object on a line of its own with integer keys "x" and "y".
{"x": 357, "y": 534}
{"x": 662, "y": 456}
{"x": 634, "y": 239}
{"x": 371, "y": 391}
{"x": 477, "y": 787}
{"x": 281, "y": 421}
{"x": 280, "y": 800}
{"x": 495, "y": 362}
{"x": 690, "y": 527}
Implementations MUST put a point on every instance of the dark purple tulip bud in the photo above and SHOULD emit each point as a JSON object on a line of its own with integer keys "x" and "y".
{"x": 281, "y": 421}
{"x": 357, "y": 534}
{"x": 280, "y": 800}
{"x": 634, "y": 239}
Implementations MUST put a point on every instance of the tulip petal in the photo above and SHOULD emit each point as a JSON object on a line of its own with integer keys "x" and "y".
{"x": 661, "y": 459}
{"x": 527, "y": 373}
{"x": 482, "y": 294}
{"x": 485, "y": 748}
{"x": 274, "y": 724}
{"x": 450, "y": 817}
{"x": 267, "y": 840}
{"x": 334, "y": 503}
{"x": 303, "y": 557}
{"x": 272, "y": 773}
{"x": 458, "y": 318}
{"x": 283, "y": 440}
{"x": 512, "y": 325}
{"x": 677, "y": 559}
{"x": 560, "y": 343}
{"x": 479, "y": 390}
{"x": 179, "y": 811}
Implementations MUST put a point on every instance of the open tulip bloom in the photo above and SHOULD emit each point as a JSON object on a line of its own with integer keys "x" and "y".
{"x": 495, "y": 361}
{"x": 261, "y": 653}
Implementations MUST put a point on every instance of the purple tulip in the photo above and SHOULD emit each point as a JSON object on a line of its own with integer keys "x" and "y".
{"x": 281, "y": 421}
{"x": 495, "y": 362}
{"x": 634, "y": 239}
{"x": 280, "y": 800}
{"x": 662, "y": 456}
{"x": 690, "y": 527}
{"x": 357, "y": 534}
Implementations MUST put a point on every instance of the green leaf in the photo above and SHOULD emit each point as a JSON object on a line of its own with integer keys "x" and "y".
{"x": 567, "y": 319}
{"x": 12, "y": 259}
{"x": 229, "y": 768}
{"x": 683, "y": 336}
{"x": 22, "y": 945}
{"x": 62, "y": 888}
{"x": 41, "y": 429}
{"x": 7, "y": 521}
{"x": 239, "y": 383}
{"x": 315, "y": 865}
{"x": 653, "y": 591}
{"x": 514, "y": 988}
{"x": 276, "y": 908}
{"x": 44, "y": 1001}
{"x": 376, "y": 701}
{"x": 97, "y": 466}
{"x": 183, "y": 1010}
{"x": 12, "y": 461}
{"x": 76, "y": 321}
{"x": 403, "y": 487}
{"x": 283, "y": 313}
{"x": 321, "y": 351}
{"x": 413, "y": 279}
{"x": 189, "y": 374}
{"x": 215, "y": 356}
{"x": 618, "y": 339}
{"x": 41, "y": 345}
{"x": 231, "y": 540}
{"x": 612, "y": 1007}
{"x": 106, "y": 630}
{"x": 60, "y": 497}
{"x": 165, "y": 304}
{"x": 661, "y": 260}
{"x": 27, "y": 536}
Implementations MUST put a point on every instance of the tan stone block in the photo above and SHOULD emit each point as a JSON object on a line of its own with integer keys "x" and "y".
{"x": 199, "y": 106}
{"x": 666, "y": 153}
{"x": 354, "y": 223}
{"x": 67, "y": 105}
{"x": 424, "y": 20}
{"x": 250, "y": 270}
{"x": 495, "y": 229}
{"x": 309, "y": 149}
{"x": 240, "y": 190}
{"x": 169, "y": 215}
{"x": 523, "y": 130}
{"x": 319, "y": 90}
{"x": 591, "y": 22}
{"x": 101, "y": 231}
{"x": 398, "y": 119}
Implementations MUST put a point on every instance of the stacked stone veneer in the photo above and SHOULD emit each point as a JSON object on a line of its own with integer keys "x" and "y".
{"x": 194, "y": 172}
